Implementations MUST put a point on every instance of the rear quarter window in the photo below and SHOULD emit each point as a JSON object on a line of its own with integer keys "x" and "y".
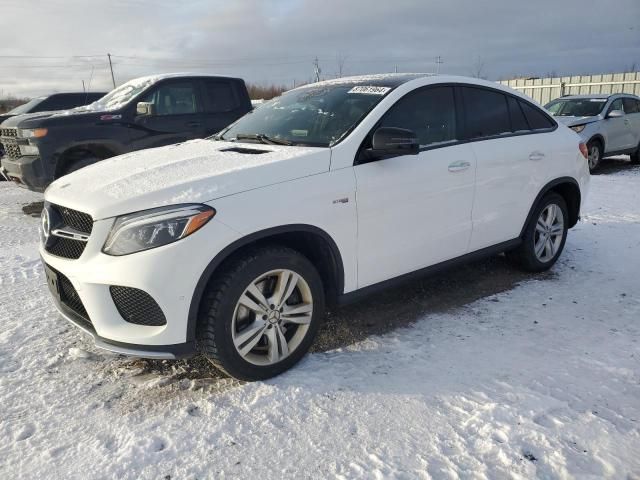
{"x": 535, "y": 117}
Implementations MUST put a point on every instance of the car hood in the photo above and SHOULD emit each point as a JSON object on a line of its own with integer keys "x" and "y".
{"x": 193, "y": 172}
{"x": 4, "y": 117}
{"x": 571, "y": 121}
{"x": 16, "y": 120}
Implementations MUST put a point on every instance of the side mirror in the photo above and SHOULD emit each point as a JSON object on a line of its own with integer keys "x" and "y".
{"x": 615, "y": 114}
{"x": 145, "y": 108}
{"x": 394, "y": 141}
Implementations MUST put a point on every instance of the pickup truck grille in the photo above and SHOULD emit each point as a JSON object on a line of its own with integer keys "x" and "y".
{"x": 9, "y": 132}
{"x": 69, "y": 247}
{"x": 11, "y": 150}
{"x": 8, "y": 138}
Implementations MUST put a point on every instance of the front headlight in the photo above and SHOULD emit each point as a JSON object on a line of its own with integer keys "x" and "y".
{"x": 578, "y": 128}
{"x": 32, "y": 132}
{"x": 156, "y": 227}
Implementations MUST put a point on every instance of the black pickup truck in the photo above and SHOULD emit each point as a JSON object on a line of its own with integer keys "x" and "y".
{"x": 50, "y": 103}
{"x": 142, "y": 113}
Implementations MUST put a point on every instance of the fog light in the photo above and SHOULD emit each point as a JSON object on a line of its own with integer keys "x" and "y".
{"x": 28, "y": 150}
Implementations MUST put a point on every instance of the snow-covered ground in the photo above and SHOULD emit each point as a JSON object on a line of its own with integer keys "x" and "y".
{"x": 541, "y": 380}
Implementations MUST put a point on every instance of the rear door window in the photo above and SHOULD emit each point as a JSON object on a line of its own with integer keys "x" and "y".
{"x": 220, "y": 96}
{"x": 535, "y": 117}
{"x": 486, "y": 113}
{"x": 630, "y": 105}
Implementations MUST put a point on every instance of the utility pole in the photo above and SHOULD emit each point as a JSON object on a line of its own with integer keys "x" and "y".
{"x": 83, "y": 88}
{"x": 316, "y": 69}
{"x": 438, "y": 63}
{"x": 113, "y": 79}
{"x": 396, "y": 69}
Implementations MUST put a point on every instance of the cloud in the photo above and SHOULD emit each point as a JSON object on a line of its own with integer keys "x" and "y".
{"x": 275, "y": 41}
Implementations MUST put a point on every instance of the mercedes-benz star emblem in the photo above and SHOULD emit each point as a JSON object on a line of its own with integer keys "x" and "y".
{"x": 45, "y": 223}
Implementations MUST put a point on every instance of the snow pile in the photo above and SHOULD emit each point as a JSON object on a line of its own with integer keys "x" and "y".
{"x": 538, "y": 381}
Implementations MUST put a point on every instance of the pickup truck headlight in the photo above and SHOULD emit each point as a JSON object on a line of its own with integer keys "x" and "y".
{"x": 578, "y": 128}
{"x": 155, "y": 228}
{"x": 32, "y": 132}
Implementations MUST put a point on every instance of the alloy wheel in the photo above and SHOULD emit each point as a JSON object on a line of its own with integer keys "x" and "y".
{"x": 594, "y": 156}
{"x": 272, "y": 317}
{"x": 549, "y": 233}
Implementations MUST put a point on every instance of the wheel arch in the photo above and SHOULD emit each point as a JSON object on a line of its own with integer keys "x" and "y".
{"x": 313, "y": 242}
{"x": 598, "y": 138}
{"x": 569, "y": 189}
{"x": 82, "y": 150}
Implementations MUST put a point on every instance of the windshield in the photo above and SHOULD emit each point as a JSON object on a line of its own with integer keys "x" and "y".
{"x": 120, "y": 96}
{"x": 26, "y": 107}
{"x": 576, "y": 107}
{"x": 316, "y": 116}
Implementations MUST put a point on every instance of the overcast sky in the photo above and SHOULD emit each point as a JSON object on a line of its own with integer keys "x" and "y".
{"x": 53, "y": 45}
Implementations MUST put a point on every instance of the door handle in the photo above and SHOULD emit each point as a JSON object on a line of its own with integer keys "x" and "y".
{"x": 535, "y": 156}
{"x": 459, "y": 166}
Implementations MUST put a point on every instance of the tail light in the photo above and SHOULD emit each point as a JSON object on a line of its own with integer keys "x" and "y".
{"x": 584, "y": 151}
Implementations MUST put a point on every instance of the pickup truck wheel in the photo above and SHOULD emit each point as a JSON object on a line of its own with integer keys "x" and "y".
{"x": 262, "y": 313}
{"x": 635, "y": 156}
{"x": 594, "y": 147}
{"x": 544, "y": 237}
{"x": 78, "y": 164}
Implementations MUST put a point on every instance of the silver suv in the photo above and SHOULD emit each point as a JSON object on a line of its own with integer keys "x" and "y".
{"x": 609, "y": 124}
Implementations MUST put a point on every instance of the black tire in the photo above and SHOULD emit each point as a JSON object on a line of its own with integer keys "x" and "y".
{"x": 524, "y": 256}
{"x": 216, "y": 315}
{"x": 594, "y": 146}
{"x": 78, "y": 164}
{"x": 635, "y": 156}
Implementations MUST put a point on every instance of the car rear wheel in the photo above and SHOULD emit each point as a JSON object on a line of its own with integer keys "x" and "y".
{"x": 262, "y": 313}
{"x": 544, "y": 236}
{"x": 594, "y": 148}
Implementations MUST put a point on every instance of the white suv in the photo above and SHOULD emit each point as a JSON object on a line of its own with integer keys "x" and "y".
{"x": 232, "y": 246}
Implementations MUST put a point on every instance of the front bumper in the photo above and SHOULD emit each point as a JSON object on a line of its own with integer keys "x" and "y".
{"x": 26, "y": 172}
{"x": 168, "y": 274}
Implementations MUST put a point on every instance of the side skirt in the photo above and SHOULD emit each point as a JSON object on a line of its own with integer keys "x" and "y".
{"x": 361, "y": 293}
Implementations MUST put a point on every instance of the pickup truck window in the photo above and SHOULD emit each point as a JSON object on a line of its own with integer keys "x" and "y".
{"x": 220, "y": 97}
{"x": 315, "y": 116}
{"x": 178, "y": 98}
{"x": 27, "y": 107}
{"x": 430, "y": 113}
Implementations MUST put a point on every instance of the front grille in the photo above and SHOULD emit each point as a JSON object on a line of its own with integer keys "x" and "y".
{"x": 75, "y": 219}
{"x": 9, "y": 132}
{"x": 12, "y": 150}
{"x": 137, "y": 306}
{"x": 69, "y": 296}
{"x": 68, "y": 247}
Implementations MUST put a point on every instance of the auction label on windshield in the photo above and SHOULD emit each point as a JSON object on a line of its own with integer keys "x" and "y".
{"x": 369, "y": 90}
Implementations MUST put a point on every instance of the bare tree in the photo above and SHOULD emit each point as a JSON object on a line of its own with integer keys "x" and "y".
{"x": 340, "y": 60}
{"x": 631, "y": 68}
{"x": 478, "y": 68}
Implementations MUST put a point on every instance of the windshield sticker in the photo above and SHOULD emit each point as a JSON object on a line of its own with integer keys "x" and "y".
{"x": 369, "y": 90}
{"x": 599, "y": 100}
{"x": 300, "y": 133}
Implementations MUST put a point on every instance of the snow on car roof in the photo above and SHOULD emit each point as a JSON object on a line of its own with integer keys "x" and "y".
{"x": 391, "y": 80}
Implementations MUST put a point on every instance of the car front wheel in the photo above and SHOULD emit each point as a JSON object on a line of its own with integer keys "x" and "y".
{"x": 544, "y": 236}
{"x": 594, "y": 149}
{"x": 262, "y": 313}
